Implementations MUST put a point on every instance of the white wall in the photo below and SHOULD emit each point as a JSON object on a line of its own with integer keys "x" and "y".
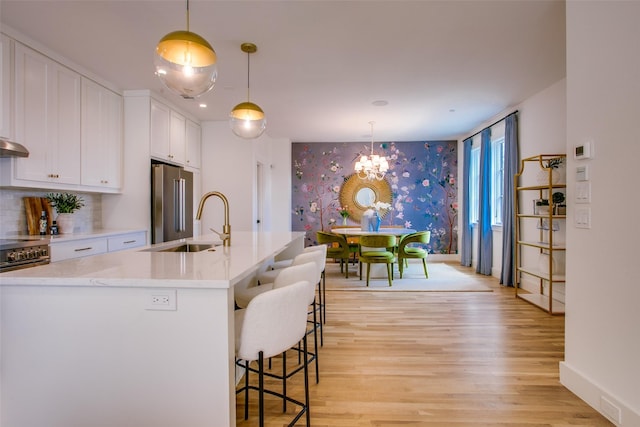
{"x": 281, "y": 185}
{"x": 229, "y": 166}
{"x": 602, "y": 342}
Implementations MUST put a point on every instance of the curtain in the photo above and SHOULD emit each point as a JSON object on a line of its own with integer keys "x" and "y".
{"x": 467, "y": 229}
{"x": 485, "y": 234}
{"x": 508, "y": 207}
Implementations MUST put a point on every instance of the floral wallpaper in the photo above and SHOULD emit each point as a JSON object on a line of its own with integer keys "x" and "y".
{"x": 422, "y": 175}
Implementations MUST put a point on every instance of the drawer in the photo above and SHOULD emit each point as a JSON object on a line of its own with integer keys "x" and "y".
{"x": 126, "y": 241}
{"x": 78, "y": 249}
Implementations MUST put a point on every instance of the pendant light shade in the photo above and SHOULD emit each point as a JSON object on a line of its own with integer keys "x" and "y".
{"x": 186, "y": 63}
{"x": 247, "y": 120}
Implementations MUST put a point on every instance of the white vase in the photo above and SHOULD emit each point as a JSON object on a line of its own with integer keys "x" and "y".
{"x": 66, "y": 223}
{"x": 559, "y": 175}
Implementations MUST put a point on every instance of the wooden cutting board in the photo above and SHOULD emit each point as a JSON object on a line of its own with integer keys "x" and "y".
{"x": 34, "y": 206}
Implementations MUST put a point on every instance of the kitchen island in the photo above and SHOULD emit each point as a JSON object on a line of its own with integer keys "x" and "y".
{"x": 135, "y": 338}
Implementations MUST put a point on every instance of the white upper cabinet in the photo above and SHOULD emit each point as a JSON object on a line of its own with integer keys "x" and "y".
{"x": 101, "y": 150}
{"x": 47, "y": 113}
{"x": 6, "y": 128}
{"x": 177, "y": 129}
{"x": 71, "y": 125}
{"x": 194, "y": 138}
{"x": 160, "y": 119}
{"x": 167, "y": 134}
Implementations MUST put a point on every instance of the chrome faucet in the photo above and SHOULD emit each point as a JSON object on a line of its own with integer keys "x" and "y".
{"x": 226, "y": 228}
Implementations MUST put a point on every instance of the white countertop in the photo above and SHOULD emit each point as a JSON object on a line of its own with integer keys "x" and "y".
{"x": 92, "y": 234}
{"x": 103, "y": 232}
{"x": 139, "y": 267}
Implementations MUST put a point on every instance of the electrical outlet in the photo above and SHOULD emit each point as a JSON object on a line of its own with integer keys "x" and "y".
{"x": 161, "y": 299}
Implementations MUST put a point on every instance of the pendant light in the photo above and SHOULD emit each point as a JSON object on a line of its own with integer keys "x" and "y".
{"x": 247, "y": 120}
{"x": 186, "y": 63}
{"x": 374, "y": 167}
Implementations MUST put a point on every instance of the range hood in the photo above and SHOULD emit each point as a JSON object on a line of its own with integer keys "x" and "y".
{"x": 12, "y": 149}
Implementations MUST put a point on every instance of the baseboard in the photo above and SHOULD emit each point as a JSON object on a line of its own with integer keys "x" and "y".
{"x": 599, "y": 399}
{"x": 443, "y": 258}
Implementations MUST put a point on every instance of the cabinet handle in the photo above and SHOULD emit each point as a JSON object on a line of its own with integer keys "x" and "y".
{"x": 128, "y": 241}
{"x": 83, "y": 249}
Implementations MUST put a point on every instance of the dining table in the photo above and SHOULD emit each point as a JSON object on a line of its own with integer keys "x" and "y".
{"x": 377, "y": 270}
{"x": 357, "y": 231}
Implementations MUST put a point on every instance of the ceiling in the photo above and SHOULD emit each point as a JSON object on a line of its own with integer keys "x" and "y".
{"x": 444, "y": 67}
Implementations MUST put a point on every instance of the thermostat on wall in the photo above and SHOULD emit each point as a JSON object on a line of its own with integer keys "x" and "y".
{"x": 582, "y": 151}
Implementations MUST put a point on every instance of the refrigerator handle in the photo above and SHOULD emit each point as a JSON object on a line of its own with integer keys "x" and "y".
{"x": 179, "y": 191}
{"x": 183, "y": 204}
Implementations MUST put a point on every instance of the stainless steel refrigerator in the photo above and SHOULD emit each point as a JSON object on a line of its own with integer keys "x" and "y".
{"x": 171, "y": 203}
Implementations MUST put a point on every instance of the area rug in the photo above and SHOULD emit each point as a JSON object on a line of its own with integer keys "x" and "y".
{"x": 443, "y": 277}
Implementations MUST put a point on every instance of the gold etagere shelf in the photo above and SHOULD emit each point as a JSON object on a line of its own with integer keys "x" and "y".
{"x": 543, "y": 213}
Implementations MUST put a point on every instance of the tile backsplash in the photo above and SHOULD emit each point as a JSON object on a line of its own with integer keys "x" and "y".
{"x": 13, "y": 217}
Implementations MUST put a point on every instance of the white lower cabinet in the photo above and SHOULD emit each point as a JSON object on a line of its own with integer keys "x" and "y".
{"x": 88, "y": 246}
{"x": 77, "y": 249}
{"x": 126, "y": 241}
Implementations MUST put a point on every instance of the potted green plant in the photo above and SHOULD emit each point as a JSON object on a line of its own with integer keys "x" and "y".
{"x": 65, "y": 205}
{"x": 558, "y": 203}
{"x": 555, "y": 163}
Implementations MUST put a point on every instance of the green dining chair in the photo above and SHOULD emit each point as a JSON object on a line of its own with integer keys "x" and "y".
{"x": 341, "y": 251}
{"x": 406, "y": 252}
{"x": 353, "y": 241}
{"x": 377, "y": 249}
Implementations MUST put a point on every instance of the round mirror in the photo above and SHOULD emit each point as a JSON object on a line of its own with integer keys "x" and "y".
{"x": 359, "y": 194}
{"x": 365, "y": 197}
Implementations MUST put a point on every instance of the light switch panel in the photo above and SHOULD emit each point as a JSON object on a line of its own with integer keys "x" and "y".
{"x": 583, "y": 192}
{"x": 582, "y": 217}
{"x": 582, "y": 173}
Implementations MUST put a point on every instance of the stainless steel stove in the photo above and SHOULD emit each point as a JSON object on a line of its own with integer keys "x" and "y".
{"x": 16, "y": 254}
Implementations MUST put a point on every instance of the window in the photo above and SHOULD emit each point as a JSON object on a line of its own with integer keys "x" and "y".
{"x": 474, "y": 185}
{"x": 497, "y": 177}
{"x": 497, "y": 180}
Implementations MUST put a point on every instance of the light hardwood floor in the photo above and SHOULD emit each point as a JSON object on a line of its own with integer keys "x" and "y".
{"x": 436, "y": 359}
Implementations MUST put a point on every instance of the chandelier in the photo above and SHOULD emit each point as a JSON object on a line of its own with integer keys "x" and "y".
{"x": 372, "y": 167}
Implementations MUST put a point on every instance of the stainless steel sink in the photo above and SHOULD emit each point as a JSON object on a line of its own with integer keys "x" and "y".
{"x": 189, "y": 247}
{"x": 185, "y": 247}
